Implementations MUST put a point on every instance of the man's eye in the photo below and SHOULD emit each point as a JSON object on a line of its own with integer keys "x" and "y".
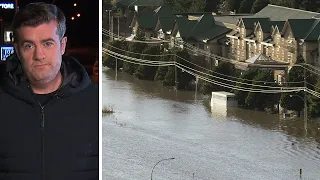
{"x": 48, "y": 44}
{"x": 28, "y": 46}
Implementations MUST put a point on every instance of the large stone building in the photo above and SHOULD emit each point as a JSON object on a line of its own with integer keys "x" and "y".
{"x": 271, "y": 34}
{"x": 279, "y": 33}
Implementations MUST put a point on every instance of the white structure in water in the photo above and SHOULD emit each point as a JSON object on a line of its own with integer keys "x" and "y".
{"x": 222, "y": 98}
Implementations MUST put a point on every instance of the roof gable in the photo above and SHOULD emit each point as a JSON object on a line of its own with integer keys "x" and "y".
{"x": 203, "y": 28}
{"x": 204, "y": 23}
{"x": 249, "y": 23}
{"x": 314, "y": 33}
{"x": 164, "y": 11}
{"x": 279, "y": 24}
{"x": 299, "y": 27}
{"x": 184, "y": 26}
{"x": 148, "y": 19}
{"x": 166, "y": 23}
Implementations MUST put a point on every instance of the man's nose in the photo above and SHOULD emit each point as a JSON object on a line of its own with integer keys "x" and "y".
{"x": 39, "y": 53}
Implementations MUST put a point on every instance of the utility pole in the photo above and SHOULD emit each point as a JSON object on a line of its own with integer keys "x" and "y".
{"x": 116, "y": 68}
{"x": 109, "y": 20}
{"x": 112, "y": 27}
{"x": 305, "y": 101}
{"x": 175, "y": 72}
{"x": 118, "y": 28}
{"x": 109, "y": 11}
{"x": 196, "y": 85}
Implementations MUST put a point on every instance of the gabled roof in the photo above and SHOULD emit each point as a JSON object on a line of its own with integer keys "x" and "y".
{"x": 204, "y": 23}
{"x": 164, "y": 11}
{"x": 167, "y": 23}
{"x": 185, "y": 26}
{"x": 230, "y": 19}
{"x": 249, "y": 23}
{"x": 148, "y": 3}
{"x": 299, "y": 27}
{"x": 280, "y": 13}
{"x": 148, "y": 19}
{"x": 204, "y": 28}
{"x": 263, "y": 59}
{"x": 212, "y": 33}
{"x": 266, "y": 25}
{"x": 279, "y": 24}
{"x": 314, "y": 33}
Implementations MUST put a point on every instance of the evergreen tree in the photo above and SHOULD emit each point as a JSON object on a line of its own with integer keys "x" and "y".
{"x": 182, "y": 6}
{"x": 162, "y": 70}
{"x": 311, "y": 5}
{"x": 147, "y": 72}
{"x": 230, "y": 5}
{"x": 260, "y": 100}
{"x": 285, "y": 3}
{"x": 224, "y": 68}
{"x": 184, "y": 78}
{"x": 169, "y": 79}
{"x": 211, "y": 5}
{"x": 136, "y": 48}
{"x": 291, "y": 101}
{"x": 245, "y": 6}
{"x": 110, "y": 61}
{"x": 245, "y": 78}
{"x": 258, "y": 5}
{"x": 314, "y": 107}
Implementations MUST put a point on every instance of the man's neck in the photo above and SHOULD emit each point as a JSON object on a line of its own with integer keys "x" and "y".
{"x": 49, "y": 87}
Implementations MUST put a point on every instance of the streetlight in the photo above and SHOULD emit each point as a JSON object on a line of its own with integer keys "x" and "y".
{"x": 158, "y": 163}
{"x": 110, "y": 22}
{"x": 305, "y": 115}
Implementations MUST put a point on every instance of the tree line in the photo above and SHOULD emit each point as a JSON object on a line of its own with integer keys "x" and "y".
{"x": 239, "y": 6}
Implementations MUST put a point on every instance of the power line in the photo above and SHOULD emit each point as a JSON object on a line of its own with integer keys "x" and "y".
{"x": 219, "y": 58}
{"x": 226, "y": 85}
{"x": 283, "y": 89}
{"x": 237, "y": 78}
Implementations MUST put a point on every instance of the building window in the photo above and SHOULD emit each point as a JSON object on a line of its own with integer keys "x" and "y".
{"x": 8, "y": 36}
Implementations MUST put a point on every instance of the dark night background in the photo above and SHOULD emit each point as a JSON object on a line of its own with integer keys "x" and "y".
{"x": 83, "y": 31}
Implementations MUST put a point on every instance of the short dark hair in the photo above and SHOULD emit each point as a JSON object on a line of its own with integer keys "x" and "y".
{"x": 35, "y": 14}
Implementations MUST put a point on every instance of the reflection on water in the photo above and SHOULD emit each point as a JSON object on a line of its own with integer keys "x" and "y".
{"x": 291, "y": 126}
{"x": 153, "y": 122}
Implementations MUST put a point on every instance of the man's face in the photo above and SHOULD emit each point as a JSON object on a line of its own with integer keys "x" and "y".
{"x": 40, "y": 51}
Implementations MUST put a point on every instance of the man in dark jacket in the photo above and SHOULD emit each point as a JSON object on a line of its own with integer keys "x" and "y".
{"x": 49, "y": 109}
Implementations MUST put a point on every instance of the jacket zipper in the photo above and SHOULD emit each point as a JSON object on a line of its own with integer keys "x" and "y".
{"x": 42, "y": 125}
{"x": 42, "y": 142}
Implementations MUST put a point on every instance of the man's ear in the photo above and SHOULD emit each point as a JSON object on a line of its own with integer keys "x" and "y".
{"x": 63, "y": 45}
